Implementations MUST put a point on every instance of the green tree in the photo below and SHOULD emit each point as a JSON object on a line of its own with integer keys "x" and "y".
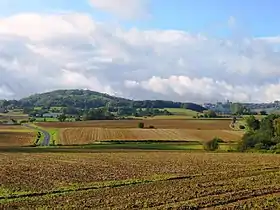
{"x": 141, "y": 125}
{"x": 62, "y": 117}
{"x": 252, "y": 123}
{"x": 212, "y": 145}
{"x": 263, "y": 112}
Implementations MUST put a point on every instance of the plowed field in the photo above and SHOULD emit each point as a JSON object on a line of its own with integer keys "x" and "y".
{"x": 139, "y": 180}
{"x": 90, "y": 135}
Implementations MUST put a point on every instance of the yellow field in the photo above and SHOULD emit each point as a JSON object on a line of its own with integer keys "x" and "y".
{"x": 89, "y": 135}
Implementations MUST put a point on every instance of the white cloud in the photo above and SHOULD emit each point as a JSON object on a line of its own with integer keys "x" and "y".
{"x": 123, "y": 8}
{"x": 71, "y": 50}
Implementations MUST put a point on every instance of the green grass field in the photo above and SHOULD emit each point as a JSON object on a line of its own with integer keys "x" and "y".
{"x": 54, "y": 132}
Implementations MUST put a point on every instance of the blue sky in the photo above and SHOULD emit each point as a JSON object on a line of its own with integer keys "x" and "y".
{"x": 256, "y": 18}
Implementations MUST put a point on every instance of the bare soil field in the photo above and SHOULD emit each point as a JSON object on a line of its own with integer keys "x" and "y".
{"x": 222, "y": 124}
{"x": 88, "y": 135}
{"x": 140, "y": 180}
{"x": 14, "y": 135}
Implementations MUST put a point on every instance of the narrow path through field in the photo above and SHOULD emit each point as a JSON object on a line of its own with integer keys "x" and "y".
{"x": 46, "y": 134}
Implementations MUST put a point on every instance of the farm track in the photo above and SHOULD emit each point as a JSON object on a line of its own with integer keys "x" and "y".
{"x": 46, "y": 134}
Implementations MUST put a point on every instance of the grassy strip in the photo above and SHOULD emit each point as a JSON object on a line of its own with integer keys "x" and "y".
{"x": 117, "y": 146}
{"x": 54, "y": 133}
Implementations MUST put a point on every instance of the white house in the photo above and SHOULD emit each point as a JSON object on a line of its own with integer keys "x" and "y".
{"x": 51, "y": 115}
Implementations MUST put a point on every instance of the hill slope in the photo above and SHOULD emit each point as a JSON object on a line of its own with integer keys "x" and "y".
{"x": 91, "y": 99}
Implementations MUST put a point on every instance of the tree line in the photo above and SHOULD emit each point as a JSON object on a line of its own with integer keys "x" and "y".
{"x": 262, "y": 134}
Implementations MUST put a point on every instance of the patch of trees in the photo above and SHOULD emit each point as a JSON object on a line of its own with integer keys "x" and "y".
{"x": 239, "y": 109}
{"x": 98, "y": 114}
{"x": 213, "y": 144}
{"x": 209, "y": 114}
{"x": 262, "y": 134}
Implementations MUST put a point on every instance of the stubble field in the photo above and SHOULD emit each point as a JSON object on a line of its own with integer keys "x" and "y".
{"x": 70, "y": 136}
{"x": 165, "y": 130}
{"x": 15, "y": 135}
{"x": 139, "y": 180}
{"x": 222, "y": 124}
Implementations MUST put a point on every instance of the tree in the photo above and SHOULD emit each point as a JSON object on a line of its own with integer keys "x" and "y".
{"x": 62, "y": 117}
{"x": 252, "y": 123}
{"x": 267, "y": 125}
{"x": 141, "y": 125}
{"x": 212, "y": 145}
{"x": 27, "y": 110}
{"x": 238, "y": 109}
{"x": 210, "y": 114}
{"x": 263, "y": 112}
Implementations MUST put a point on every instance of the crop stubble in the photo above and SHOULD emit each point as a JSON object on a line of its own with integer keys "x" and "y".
{"x": 15, "y": 136}
{"x": 186, "y": 179}
{"x": 70, "y": 136}
{"x": 222, "y": 124}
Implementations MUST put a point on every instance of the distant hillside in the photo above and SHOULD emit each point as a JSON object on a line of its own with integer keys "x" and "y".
{"x": 85, "y": 99}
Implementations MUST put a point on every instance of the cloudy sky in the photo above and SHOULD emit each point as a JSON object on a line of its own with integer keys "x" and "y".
{"x": 205, "y": 51}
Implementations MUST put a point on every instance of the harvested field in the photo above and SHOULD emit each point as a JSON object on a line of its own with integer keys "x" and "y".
{"x": 157, "y": 180}
{"x": 15, "y": 116}
{"x": 70, "y": 136}
{"x": 222, "y": 124}
{"x": 14, "y": 135}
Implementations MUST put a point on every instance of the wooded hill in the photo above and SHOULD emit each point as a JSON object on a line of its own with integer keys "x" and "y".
{"x": 86, "y": 99}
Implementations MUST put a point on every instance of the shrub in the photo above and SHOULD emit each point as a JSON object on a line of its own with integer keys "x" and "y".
{"x": 275, "y": 147}
{"x": 32, "y": 120}
{"x": 141, "y": 125}
{"x": 220, "y": 140}
{"x": 212, "y": 145}
{"x": 259, "y": 146}
{"x": 23, "y": 121}
{"x": 242, "y": 127}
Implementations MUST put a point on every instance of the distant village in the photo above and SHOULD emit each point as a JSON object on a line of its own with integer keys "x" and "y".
{"x": 226, "y": 107}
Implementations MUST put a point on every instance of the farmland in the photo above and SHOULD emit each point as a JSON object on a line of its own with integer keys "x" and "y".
{"x": 222, "y": 124}
{"x": 15, "y": 136}
{"x": 89, "y": 135}
{"x": 157, "y": 180}
{"x": 88, "y": 132}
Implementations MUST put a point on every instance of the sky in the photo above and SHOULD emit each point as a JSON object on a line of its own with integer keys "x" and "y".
{"x": 182, "y": 50}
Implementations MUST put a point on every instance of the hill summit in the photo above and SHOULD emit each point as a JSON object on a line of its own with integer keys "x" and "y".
{"x": 86, "y": 99}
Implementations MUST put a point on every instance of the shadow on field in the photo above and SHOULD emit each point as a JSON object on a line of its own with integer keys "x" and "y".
{"x": 107, "y": 146}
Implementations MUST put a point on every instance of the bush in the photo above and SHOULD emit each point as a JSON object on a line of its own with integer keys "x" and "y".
{"x": 275, "y": 147}
{"x": 212, "y": 145}
{"x": 141, "y": 125}
{"x": 220, "y": 140}
{"x": 32, "y": 120}
{"x": 260, "y": 146}
{"x": 23, "y": 121}
{"x": 151, "y": 126}
{"x": 242, "y": 127}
